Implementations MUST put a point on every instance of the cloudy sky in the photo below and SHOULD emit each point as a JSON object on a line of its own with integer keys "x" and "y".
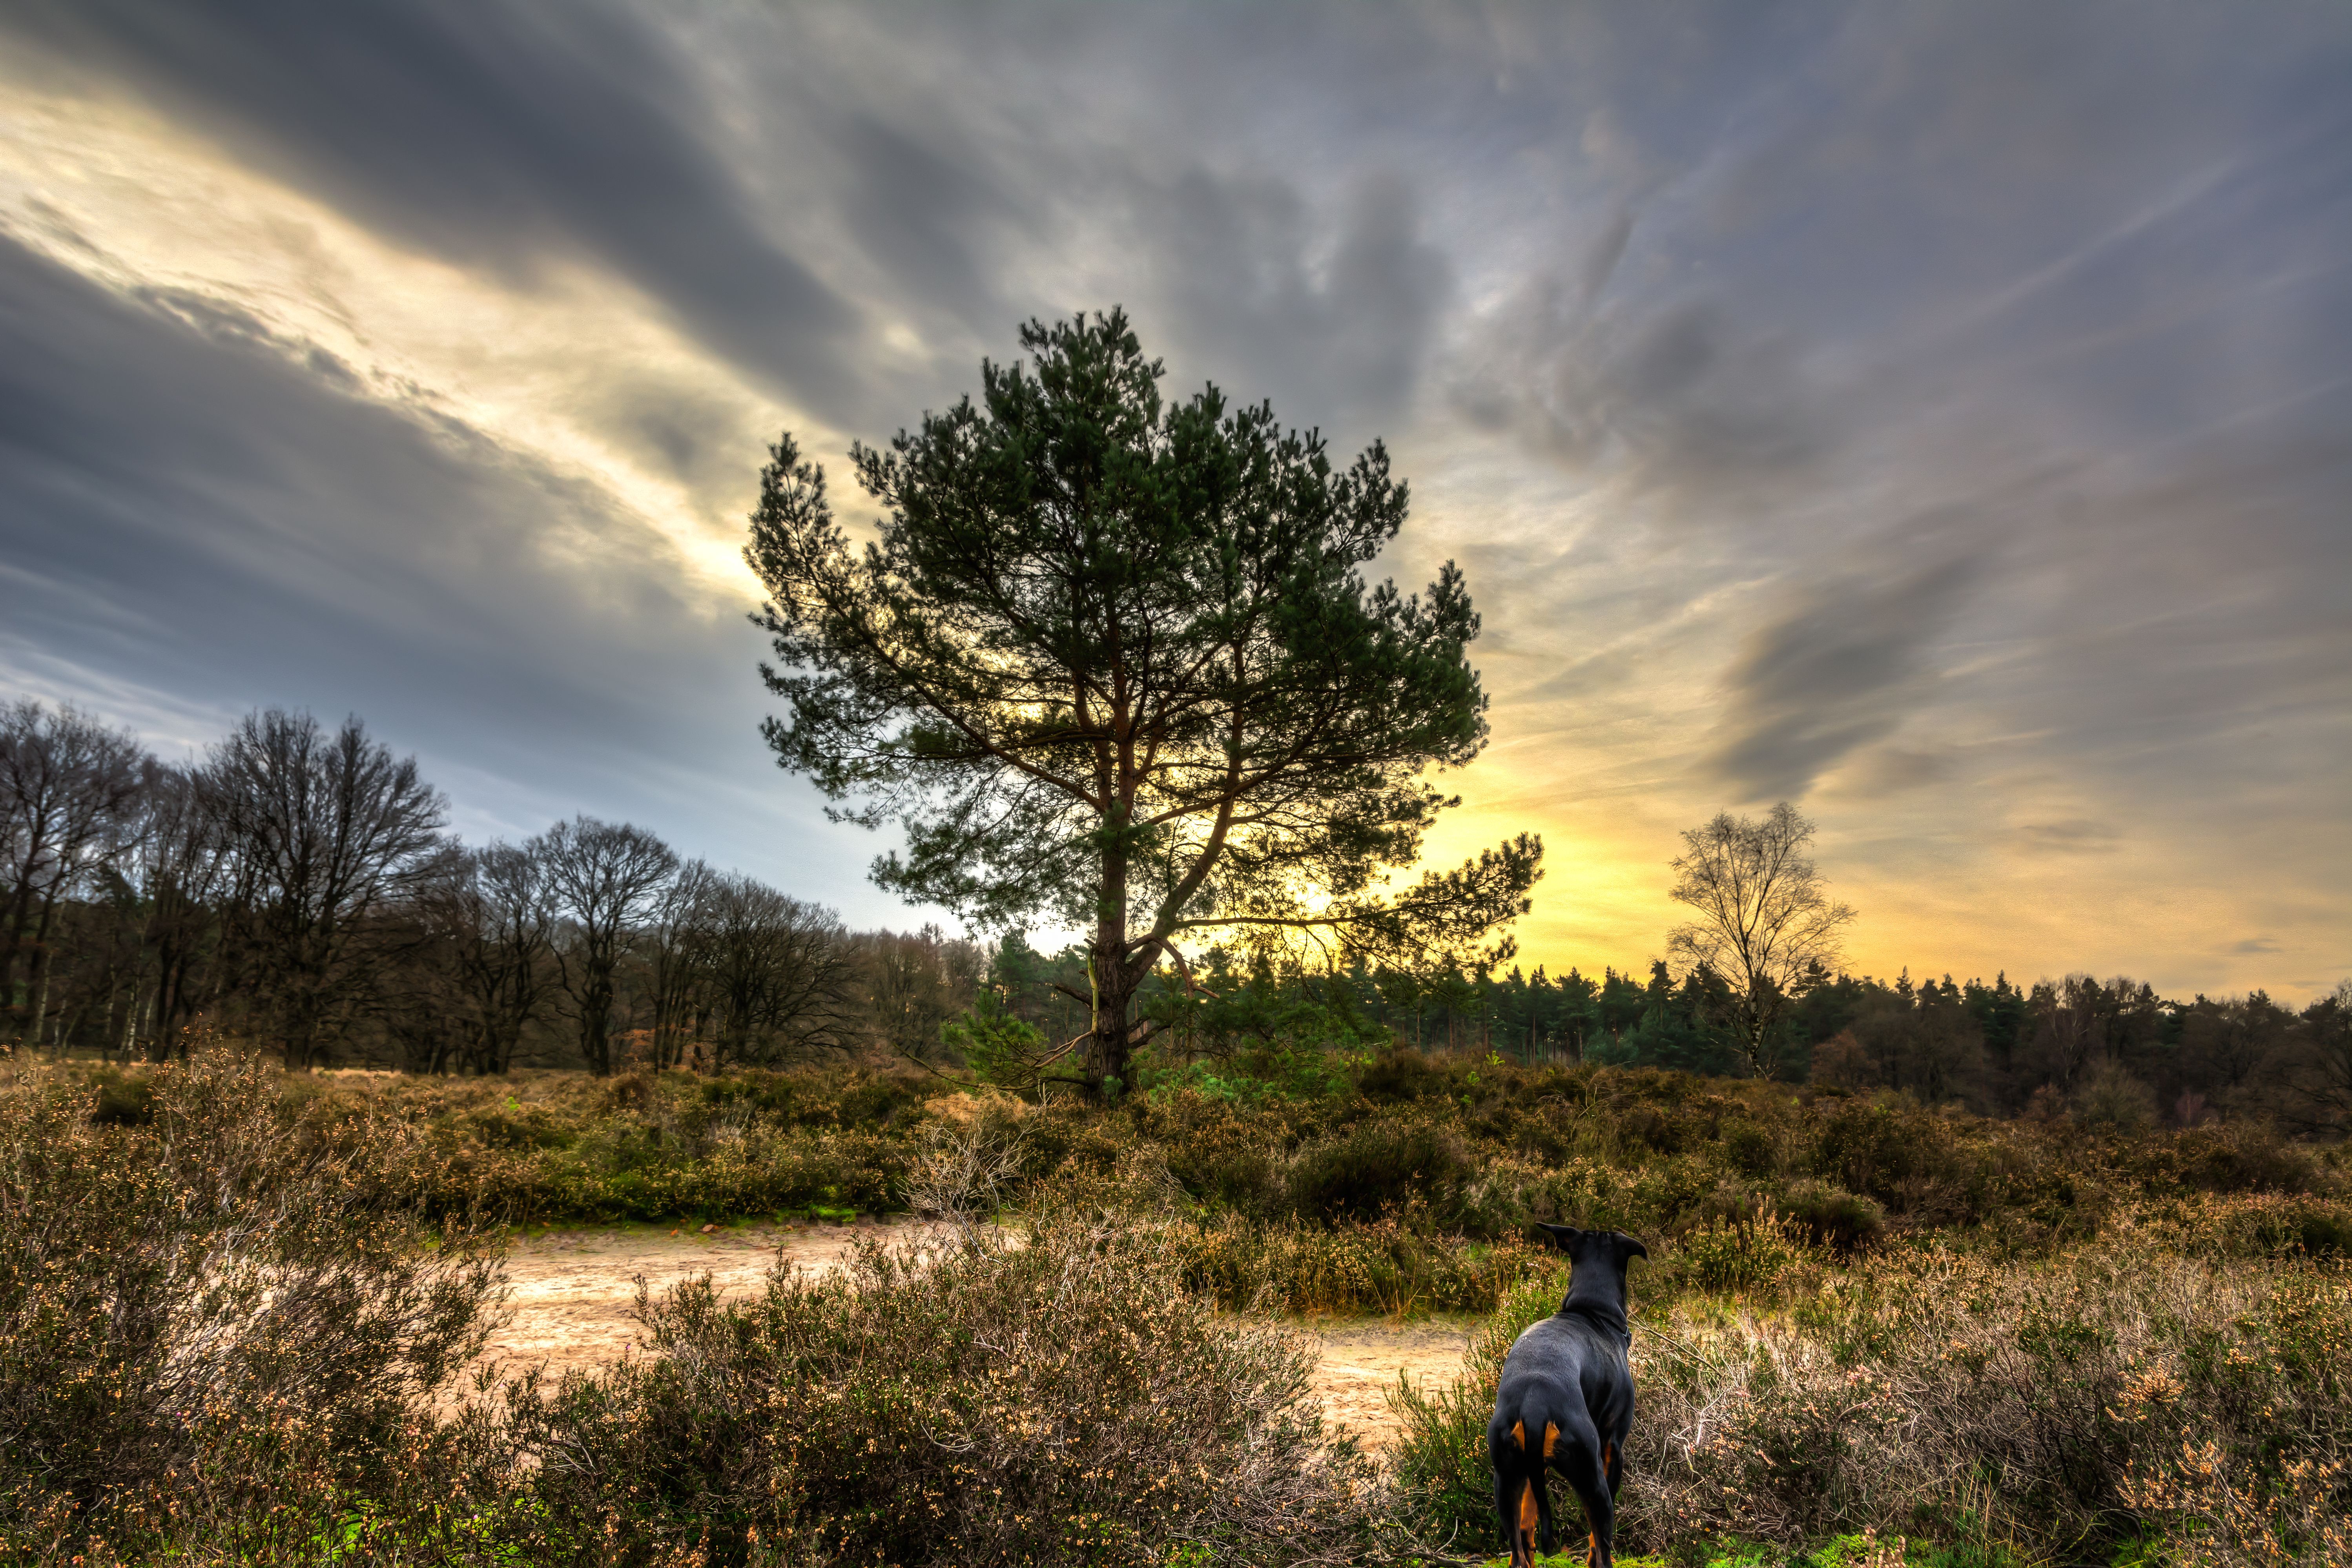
{"x": 1940, "y": 415}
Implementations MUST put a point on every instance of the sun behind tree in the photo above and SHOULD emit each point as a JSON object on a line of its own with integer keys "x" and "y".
{"x": 1114, "y": 664}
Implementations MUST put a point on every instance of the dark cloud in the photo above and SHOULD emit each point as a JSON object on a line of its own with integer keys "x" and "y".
{"x": 490, "y": 132}
{"x": 1831, "y": 675}
{"x": 1674, "y": 396}
{"x": 2256, "y": 946}
{"x": 922, "y": 215}
{"x": 1326, "y": 310}
{"x": 189, "y": 510}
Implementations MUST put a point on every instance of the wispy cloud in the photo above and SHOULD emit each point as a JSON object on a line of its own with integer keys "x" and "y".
{"x": 1936, "y": 413}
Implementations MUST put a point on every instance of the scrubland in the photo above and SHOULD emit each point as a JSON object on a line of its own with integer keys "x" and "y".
{"x": 241, "y": 1314}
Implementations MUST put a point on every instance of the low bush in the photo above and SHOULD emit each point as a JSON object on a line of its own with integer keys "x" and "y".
{"x": 201, "y": 1307}
{"x": 1380, "y": 1164}
{"x": 1391, "y": 1265}
{"x": 2122, "y": 1393}
{"x": 1833, "y": 1218}
{"x": 1868, "y": 1330}
{"x": 2070, "y": 1406}
{"x": 1061, "y": 1400}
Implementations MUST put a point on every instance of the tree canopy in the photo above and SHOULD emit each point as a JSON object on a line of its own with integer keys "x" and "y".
{"x": 1115, "y": 664}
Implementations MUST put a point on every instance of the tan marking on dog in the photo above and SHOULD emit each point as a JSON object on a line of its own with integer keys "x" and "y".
{"x": 1519, "y": 1435}
{"x": 1551, "y": 1438}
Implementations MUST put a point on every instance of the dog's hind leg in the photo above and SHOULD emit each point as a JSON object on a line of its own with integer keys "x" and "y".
{"x": 1578, "y": 1459}
{"x": 1547, "y": 1533}
{"x": 1518, "y": 1486}
{"x": 1509, "y": 1481}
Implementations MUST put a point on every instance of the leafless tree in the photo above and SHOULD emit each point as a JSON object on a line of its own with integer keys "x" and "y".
{"x": 322, "y": 832}
{"x": 744, "y": 975}
{"x": 777, "y": 974}
{"x": 177, "y": 872}
{"x": 491, "y": 910}
{"x": 604, "y": 877}
{"x": 913, "y": 982}
{"x": 2070, "y": 1029}
{"x": 676, "y": 945}
{"x": 1766, "y": 923}
{"x": 70, "y": 797}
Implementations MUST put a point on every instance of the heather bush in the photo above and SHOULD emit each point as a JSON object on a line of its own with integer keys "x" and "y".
{"x": 2069, "y": 1405}
{"x": 205, "y": 1307}
{"x": 2121, "y": 1392}
{"x": 1061, "y": 1398}
{"x": 1382, "y": 1163}
{"x": 1865, "y": 1323}
{"x": 1832, "y": 1217}
{"x": 1392, "y": 1265}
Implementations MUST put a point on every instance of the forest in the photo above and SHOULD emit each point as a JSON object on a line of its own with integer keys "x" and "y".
{"x": 295, "y": 887}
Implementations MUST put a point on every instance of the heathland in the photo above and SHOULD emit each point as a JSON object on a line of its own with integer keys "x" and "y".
{"x": 242, "y": 1313}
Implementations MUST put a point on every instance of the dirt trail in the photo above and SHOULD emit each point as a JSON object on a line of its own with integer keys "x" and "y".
{"x": 571, "y": 1293}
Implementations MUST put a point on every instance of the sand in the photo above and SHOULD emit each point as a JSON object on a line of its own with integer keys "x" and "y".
{"x": 572, "y": 1292}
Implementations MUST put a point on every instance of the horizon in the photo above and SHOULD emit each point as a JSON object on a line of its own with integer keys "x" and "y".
{"x": 1935, "y": 418}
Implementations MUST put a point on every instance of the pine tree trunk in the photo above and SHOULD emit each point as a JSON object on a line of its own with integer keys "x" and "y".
{"x": 1106, "y": 1051}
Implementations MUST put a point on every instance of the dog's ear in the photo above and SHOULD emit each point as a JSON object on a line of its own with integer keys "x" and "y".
{"x": 1563, "y": 1236}
{"x": 1628, "y": 1248}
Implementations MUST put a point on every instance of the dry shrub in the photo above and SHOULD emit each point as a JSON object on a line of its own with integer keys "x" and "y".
{"x": 984, "y": 1402}
{"x": 1396, "y": 1264}
{"x": 1751, "y": 1252}
{"x": 2121, "y": 1392}
{"x": 211, "y": 1309}
{"x": 2215, "y": 1519}
{"x": 968, "y": 1163}
{"x": 1964, "y": 1399}
{"x": 2256, "y": 1224}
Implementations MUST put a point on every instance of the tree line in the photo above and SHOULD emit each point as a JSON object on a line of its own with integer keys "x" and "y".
{"x": 2110, "y": 1050}
{"x": 296, "y": 887}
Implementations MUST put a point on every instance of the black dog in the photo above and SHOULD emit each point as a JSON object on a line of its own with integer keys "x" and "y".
{"x": 1567, "y": 1399}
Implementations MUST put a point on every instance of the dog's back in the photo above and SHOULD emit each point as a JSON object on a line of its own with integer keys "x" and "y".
{"x": 1565, "y": 1402}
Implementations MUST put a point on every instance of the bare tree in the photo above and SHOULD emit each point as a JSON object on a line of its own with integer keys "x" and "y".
{"x": 70, "y": 796}
{"x": 322, "y": 832}
{"x": 604, "y": 877}
{"x": 2070, "y": 1029}
{"x": 678, "y": 945}
{"x": 492, "y": 908}
{"x": 1766, "y": 925}
{"x": 745, "y": 974}
{"x": 177, "y": 873}
{"x": 914, "y": 982}
{"x": 778, "y": 974}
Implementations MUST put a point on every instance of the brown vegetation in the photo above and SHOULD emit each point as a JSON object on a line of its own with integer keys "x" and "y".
{"x": 2016, "y": 1338}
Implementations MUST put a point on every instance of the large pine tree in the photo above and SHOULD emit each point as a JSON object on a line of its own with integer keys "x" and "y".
{"x": 1114, "y": 664}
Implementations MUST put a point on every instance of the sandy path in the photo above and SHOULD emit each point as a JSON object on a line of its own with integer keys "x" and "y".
{"x": 571, "y": 1293}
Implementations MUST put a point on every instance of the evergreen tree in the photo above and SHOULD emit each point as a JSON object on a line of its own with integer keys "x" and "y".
{"x": 1115, "y": 663}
